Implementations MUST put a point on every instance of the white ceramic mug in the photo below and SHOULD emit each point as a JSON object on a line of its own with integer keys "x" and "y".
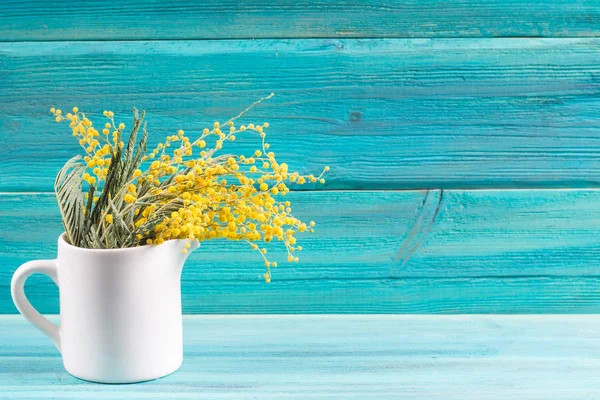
{"x": 120, "y": 310}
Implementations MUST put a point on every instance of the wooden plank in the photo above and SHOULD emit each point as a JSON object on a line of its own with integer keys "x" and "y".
{"x": 339, "y": 357}
{"x": 230, "y": 19}
{"x": 475, "y": 295}
{"x": 392, "y": 251}
{"x": 386, "y": 114}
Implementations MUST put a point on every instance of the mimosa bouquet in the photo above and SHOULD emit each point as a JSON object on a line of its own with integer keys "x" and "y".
{"x": 120, "y": 194}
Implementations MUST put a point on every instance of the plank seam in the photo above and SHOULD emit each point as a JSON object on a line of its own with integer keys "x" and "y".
{"x": 490, "y": 189}
{"x": 233, "y": 38}
{"x": 434, "y": 279}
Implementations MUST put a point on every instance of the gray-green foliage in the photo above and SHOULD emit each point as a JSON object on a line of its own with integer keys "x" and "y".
{"x": 84, "y": 219}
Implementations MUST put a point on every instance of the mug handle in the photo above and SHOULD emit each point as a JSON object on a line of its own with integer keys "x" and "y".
{"x": 17, "y": 286}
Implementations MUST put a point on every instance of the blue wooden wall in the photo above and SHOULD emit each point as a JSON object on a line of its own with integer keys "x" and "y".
{"x": 463, "y": 135}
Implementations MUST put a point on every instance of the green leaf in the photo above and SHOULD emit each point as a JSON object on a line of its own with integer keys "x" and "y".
{"x": 70, "y": 198}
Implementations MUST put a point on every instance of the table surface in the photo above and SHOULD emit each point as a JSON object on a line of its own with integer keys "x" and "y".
{"x": 339, "y": 357}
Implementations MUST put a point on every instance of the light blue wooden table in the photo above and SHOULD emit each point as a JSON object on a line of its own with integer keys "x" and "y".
{"x": 464, "y": 140}
{"x": 345, "y": 357}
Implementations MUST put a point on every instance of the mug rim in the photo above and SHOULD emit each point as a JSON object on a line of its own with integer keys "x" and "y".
{"x": 62, "y": 240}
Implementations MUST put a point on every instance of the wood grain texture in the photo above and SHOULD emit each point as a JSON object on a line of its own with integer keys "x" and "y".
{"x": 456, "y": 251}
{"x": 386, "y": 114}
{"x": 477, "y": 295}
{"x": 339, "y": 357}
{"x": 231, "y": 19}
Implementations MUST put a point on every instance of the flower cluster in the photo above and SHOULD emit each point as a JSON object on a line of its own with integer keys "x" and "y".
{"x": 183, "y": 188}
